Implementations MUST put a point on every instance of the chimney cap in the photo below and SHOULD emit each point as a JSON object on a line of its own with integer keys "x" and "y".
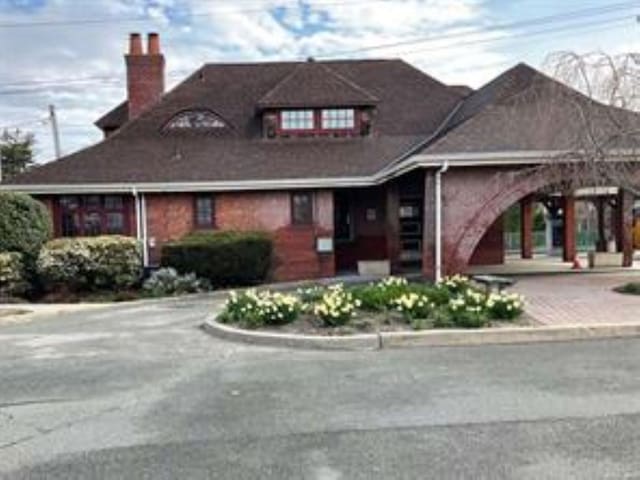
{"x": 135, "y": 44}
{"x": 153, "y": 43}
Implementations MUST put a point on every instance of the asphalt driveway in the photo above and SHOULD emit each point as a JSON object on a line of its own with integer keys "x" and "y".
{"x": 139, "y": 392}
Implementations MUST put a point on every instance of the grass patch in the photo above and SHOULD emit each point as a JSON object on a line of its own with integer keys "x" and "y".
{"x": 631, "y": 288}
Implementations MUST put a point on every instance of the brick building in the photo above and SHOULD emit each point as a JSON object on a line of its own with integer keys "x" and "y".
{"x": 342, "y": 161}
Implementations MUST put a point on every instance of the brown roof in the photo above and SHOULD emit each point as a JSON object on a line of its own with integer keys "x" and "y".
{"x": 525, "y": 110}
{"x": 314, "y": 84}
{"x": 521, "y": 110}
{"x": 114, "y": 118}
{"x": 411, "y": 106}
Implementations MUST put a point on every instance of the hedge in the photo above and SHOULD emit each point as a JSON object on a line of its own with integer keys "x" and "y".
{"x": 25, "y": 224}
{"x": 12, "y": 275}
{"x": 90, "y": 263}
{"x": 224, "y": 258}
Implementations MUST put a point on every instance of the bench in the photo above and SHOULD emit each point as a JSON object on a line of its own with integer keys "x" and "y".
{"x": 493, "y": 283}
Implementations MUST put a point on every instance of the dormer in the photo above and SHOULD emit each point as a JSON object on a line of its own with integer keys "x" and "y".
{"x": 314, "y": 100}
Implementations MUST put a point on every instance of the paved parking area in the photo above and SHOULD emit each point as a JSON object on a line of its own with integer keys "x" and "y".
{"x": 138, "y": 392}
{"x": 580, "y": 298}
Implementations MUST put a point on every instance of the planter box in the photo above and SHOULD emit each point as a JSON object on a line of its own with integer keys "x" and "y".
{"x": 605, "y": 259}
{"x": 374, "y": 268}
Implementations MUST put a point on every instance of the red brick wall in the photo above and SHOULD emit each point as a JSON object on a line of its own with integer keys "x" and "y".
{"x": 490, "y": 250}
{"x": 170, "y": 216}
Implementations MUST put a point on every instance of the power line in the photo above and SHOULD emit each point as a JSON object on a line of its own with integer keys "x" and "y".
{"x": 526, "y": 34}
{"x": 571, "y": 15}
{"x": 25, "y": 123}
{"x": 42, "y": 85}
{"x": 149, "y": 18}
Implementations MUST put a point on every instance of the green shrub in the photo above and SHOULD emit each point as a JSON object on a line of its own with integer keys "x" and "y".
{"x": 311, "y": 294}
{"x": 632, "y": 288}
{"x": 253, "y": 309}
{"x": 90, "y": 263}
{"x": 504, "y": 306}
{"x": 336, "y": 307}
{"x": 455, "y": 284}
{"x": 166, "y": 281}
{"x": 414, "y": 306}
{"x": 25, "y": 225}
{"x": 223, "y": 258}
{"x": 468, "y": 309}
{"x": 380, "y": 295}
{"x": 12, "y": 275}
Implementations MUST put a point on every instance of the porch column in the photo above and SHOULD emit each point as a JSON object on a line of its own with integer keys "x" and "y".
{"x": 429, "y": 226}
{"x": 568, "y": 228}
{"x": 526, "y": 227}
{"x": 601, "y": 245}
{"x": 624, "y": 226}
{"x": 392, "y": 220}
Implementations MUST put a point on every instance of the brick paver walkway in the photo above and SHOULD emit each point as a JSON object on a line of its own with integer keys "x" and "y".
{"x": 579, "y": 298}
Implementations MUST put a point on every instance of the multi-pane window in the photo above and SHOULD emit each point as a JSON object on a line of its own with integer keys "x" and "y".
{"x": 195, "y": 119}
{"x": 297, "y": 120}
{"x": 92, "y": 215}
{"x": 338, "y": 119}
{"x": 205, "y": 211}
{"x": 301, "y": 208}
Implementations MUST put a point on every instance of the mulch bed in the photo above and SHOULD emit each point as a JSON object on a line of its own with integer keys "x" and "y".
{"x": 370, "y": 322}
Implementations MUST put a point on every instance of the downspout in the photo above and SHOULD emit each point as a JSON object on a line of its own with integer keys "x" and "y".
{"x": 145, "y": 241}
{"x": 438, "y": 233}
{"x": 136, "y": 202}
{"x": 141, "y": 224}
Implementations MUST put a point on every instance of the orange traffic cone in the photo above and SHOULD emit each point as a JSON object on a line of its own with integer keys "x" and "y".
{"x": 576, "y": 264}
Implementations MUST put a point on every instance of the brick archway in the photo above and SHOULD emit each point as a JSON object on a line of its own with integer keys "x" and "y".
{"x": 474, "y": 198}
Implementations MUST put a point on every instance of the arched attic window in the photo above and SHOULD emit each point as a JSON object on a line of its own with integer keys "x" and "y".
{"x": 194, "y": 119}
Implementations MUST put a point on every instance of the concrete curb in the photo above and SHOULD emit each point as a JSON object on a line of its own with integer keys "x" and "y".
{"x": 507, "y": 335}
{"x": 430, "y": 338}
{"x": 369, "y": 341}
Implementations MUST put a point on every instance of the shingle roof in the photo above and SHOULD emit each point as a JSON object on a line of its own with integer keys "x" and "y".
{"x": 314, "y": 84}
{"x": 525, "y": 110}
{"x": 114, "y": 118}
{"x": 411, "y": 106}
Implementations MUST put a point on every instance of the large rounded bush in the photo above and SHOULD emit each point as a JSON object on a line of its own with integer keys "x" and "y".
{"x": 25, "y": 224}
{"x": 224, "y": 258}
{"x": 90, "y": 263}
{"x": 12, "y": 275}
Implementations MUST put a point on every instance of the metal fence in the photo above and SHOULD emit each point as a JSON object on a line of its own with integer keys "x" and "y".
{"x": 585, "y": 240}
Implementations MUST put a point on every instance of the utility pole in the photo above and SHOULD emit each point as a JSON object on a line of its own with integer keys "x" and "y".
{"x": 54, "y": 129}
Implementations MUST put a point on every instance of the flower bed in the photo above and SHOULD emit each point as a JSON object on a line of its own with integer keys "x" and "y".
{"x": 389, "y": 304}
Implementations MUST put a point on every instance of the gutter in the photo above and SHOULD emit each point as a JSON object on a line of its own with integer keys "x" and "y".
{"x": 471, "y": 159}
{"x": 438, "y": 233}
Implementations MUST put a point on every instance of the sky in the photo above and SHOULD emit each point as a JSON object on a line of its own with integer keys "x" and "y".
{"x": 69, "y": 53}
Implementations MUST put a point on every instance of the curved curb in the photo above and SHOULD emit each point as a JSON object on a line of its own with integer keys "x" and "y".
{"x": 430, "y": 338}
{"x": 368, "y": 341}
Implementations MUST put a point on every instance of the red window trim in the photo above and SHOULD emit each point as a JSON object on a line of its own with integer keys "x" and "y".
{"x": 317, "y": 129}
{"x": 82, "y": 210}
{"x": 212, "y": 225}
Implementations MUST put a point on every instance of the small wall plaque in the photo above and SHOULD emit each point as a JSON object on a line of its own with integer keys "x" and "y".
{"x": 371, "y": 215}
{"x": 324, "y": 244}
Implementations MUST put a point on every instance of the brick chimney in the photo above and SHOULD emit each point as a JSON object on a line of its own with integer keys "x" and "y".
{"x": 145, "y": 73}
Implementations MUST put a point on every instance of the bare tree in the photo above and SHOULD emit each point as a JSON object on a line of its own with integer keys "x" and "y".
{"x": 596, "y": 125}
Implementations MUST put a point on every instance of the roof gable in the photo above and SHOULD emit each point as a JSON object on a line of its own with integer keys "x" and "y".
{"x": 114, "y": 118}
{"x": 524, "y": 109}
{"x": 314, "y": 84}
